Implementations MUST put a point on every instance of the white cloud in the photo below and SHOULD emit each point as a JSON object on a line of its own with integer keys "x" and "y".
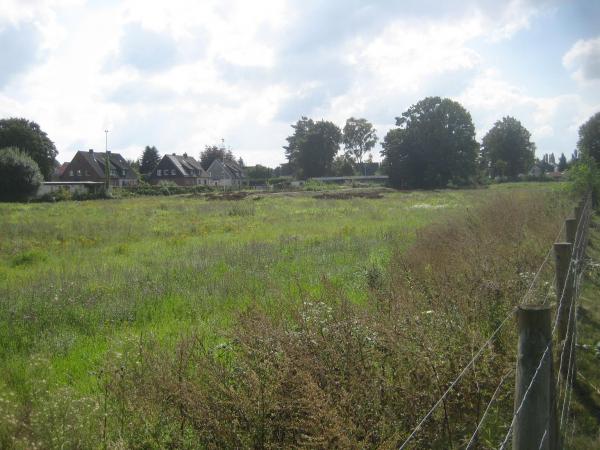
{"x": 230, "y": 69}
{"x": 583, "y": 59}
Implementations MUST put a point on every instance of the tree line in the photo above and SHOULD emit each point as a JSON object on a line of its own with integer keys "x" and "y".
{"x": 433, "y": 145}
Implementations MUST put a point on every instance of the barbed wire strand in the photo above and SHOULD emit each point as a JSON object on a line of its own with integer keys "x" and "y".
{"x": 484, "y": 346}
{"x": 457, "y": 379}
{"x": 494, "y": 395}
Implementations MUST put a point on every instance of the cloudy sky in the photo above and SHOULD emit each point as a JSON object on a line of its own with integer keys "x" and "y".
{"x": 182, "y": 74}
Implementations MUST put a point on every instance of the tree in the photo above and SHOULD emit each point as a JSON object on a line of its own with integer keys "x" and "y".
{"x": 149, "y": 161}
{"x": 342, "y": 166}
{"x": 433, "y": 145}
{"x": 212, "y": 152}
{"x": 312, "y": 147}
{"x": 589, "y": 138}
{"x": 30, "y": 139}
{"x": 562, "y": 163}
{"x": 259, "y": 172}
{"x": 359, "y": 138}
{"x": 509, "y": 141}
{"x": 20, "y": 176}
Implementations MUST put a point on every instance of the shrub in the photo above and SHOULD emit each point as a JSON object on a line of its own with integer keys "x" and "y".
{"x": 20, "y": 176}
{"x": 584, "y": 176}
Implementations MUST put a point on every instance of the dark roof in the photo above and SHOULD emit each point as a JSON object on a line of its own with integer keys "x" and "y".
{"x": 97, "y": 161}
{"x": 234, "y": 167}
{"x": 186, "y": 165}
{"x": 231, "y": 168}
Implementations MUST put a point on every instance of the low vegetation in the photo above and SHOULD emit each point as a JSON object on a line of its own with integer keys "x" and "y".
{"x": 293, "y": 321}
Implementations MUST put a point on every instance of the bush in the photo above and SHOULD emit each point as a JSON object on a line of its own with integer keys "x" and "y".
{"x": 20, "y": 176}
{"x": 584, "y": 176}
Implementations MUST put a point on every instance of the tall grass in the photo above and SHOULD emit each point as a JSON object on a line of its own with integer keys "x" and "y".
{"x": 291, "y": 322}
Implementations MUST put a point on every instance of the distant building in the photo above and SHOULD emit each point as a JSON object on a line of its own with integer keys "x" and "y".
{"x": 536, "y": 171}
{"x": 59, "y": 170}
{"x": 91, "y": 166}
{"x": 226, "y": 173}
{"x": 179, "y": 169}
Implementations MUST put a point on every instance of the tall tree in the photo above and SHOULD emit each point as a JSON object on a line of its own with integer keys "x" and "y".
{"x": 589, "y": 138}
{"x": 212, "y": 152}
{"x": 149, "y": 161}
{"x": 433, "y": 145}
{"x": 312, "y": 147}
{"x": 562, "y": 163}
{"x": 359, "y": 138}
{"x": 510, "y": 142}
{"x": 30, "y": 139}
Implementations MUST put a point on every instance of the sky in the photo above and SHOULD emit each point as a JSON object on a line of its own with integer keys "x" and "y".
{"x": 184, "y": 74}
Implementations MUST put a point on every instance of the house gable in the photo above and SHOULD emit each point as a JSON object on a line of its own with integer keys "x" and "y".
{"x": 181, "y": 169}
{"x": 90, "y": 166}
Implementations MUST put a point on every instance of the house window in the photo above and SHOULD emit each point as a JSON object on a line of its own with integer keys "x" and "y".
{"x": 158, "y": 172}
{"x": 70, "y": 173}
{"x": 173, "y": 172}
{"x": 78, "y": 172}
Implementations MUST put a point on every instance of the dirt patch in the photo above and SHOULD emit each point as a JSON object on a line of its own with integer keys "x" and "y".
{"x": 349, "y": 195}
{"x": 228, "y": 196}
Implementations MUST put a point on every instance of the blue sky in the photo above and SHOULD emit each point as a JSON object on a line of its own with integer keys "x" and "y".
{"x": 184, "y": 74}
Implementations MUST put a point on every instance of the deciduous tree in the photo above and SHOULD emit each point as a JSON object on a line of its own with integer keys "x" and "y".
{"x": 28, "y": 137}
{"x": 589, "y": 138}
{"x": 212, "y": 152}
{"x": 312, "y": 147}
{"x": 510, "y": 142}
{"x": 359, "y": 138}
{"x": 433, "y": 145}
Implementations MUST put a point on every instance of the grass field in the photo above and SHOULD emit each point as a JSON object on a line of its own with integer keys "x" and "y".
{"x": 81, "y": 281}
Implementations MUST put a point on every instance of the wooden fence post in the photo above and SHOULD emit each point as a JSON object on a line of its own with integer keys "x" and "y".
{"x": 564, "y": 297}
{"x": 578, "y": 210}
{"x": 536, "y": 421}
{"x": 571, "y": 230}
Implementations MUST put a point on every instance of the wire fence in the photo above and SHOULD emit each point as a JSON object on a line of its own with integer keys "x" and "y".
{"x": 566, "y": 304}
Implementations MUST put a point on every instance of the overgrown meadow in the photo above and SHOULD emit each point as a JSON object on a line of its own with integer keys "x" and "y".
{"x": 285, "y": 320}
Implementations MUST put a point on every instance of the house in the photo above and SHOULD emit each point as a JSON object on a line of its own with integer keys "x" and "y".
{"x": 226, "y": 173}
{"x": 180, "y": 169}
{"x": 91, "y": 166}
{"x": 59, "y": 170}
{"x": 536, "y": 171}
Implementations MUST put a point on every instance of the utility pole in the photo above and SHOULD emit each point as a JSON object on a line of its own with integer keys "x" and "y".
{"x": 107, "y": 162}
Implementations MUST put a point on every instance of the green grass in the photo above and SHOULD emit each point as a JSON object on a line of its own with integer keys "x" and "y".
{"x": 77, "y": 279}
{"x": 76, "y": 275}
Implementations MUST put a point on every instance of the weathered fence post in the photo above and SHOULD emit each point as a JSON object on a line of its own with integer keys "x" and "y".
{"x": 535, "y": 422}
{"x": 564, "y": 296}
{"x": 578, "y": 210}
{"x": 571, "y": 230}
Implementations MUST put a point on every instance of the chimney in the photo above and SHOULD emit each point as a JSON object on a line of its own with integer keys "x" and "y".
{"x": 173, "y": 154}
{"x": 185, "y": 155}
{"x": 91, "y": 150}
